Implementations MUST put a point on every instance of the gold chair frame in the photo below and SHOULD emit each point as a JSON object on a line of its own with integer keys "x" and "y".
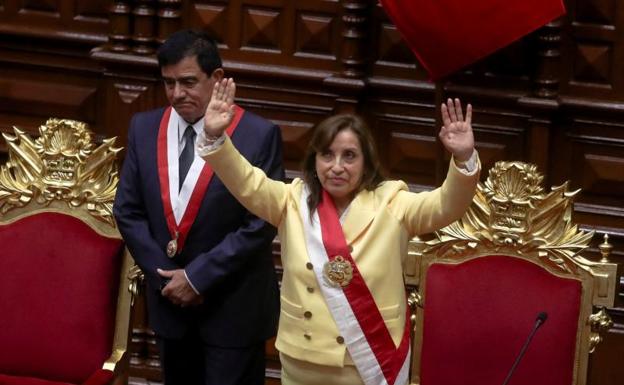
{"x": 511, "y": 215}
{"x": 62, "y": 171}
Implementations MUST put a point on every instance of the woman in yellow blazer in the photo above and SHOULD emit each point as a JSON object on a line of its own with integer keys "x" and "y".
{"x": 325, "y": 336}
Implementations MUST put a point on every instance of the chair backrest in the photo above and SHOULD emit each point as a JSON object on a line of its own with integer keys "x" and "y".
{"x": 485, "y": 279}
{"x": 65, "y": 303}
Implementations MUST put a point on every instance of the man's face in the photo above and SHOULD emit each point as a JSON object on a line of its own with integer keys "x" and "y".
{"x": 188, "y": 88}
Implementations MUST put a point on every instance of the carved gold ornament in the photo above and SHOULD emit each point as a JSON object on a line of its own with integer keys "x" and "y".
{"x": 414, "y": 301}
{"x": 511, "y": 214}
{"x": 136, "y": 278}
{"x": 511, "y": 211}
{"x": 600, "y": 323}
{"x": 61, "y": 165}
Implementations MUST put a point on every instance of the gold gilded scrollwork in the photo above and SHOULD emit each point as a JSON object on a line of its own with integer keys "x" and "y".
{"x": 414, "y": 300}
{"x": 510, "y": 211}
{"x": 61, "y": 165}
{"x": 136, "y": 277}
{"x": 600, "y": 323}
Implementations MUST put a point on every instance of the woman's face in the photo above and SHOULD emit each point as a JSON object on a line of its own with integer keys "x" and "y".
{"x": 340, "y": 167}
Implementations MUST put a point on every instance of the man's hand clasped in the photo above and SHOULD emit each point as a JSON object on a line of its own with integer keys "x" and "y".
{"x": 178, "y": 290}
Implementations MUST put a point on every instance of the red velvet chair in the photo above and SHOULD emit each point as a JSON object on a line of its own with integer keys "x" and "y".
{"x": 485, "y": 279}
{"x": 65, "y": 303}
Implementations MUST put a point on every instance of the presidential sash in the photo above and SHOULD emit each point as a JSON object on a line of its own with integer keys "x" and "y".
{"x": 181, "y": 208}
{"x": 350, "y": 301}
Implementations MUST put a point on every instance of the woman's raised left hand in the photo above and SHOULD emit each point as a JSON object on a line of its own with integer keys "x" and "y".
{"x": 456, "y": 134}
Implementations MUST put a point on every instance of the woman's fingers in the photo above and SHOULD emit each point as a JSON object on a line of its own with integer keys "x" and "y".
{"x": 451, "y": 108}
{"x": 220, "y": 92}
{"x": 458, "y": 110}
{"x": 224, "y": 88}
{"x": 215, "y": 91}
{"x": 231, "y": 91}
{"x": 446, "y": 119}
{"x": 469, "y": 114}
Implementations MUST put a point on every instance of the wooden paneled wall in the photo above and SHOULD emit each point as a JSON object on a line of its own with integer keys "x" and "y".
{"x": 554, "y": 98}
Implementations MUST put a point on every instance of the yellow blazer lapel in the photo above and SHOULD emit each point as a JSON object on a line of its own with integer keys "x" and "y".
{"x": 360, "y": 215}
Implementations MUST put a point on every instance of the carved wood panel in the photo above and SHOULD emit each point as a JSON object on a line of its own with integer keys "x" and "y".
{"x": 294, "y": 33}
{"x": 63, "y": 19}
{"x": 593, "y": 163}
{"x": 124, "y": 98}
{"x": 391, "y": 57}
{"x": 594, "y": 50}
{"x": 32, "y": 97}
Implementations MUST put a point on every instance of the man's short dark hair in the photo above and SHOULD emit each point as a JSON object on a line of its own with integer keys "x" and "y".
{"x": 188, "y": 43}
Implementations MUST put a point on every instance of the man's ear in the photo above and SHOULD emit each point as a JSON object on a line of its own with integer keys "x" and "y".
{"x": 217, "y": 74}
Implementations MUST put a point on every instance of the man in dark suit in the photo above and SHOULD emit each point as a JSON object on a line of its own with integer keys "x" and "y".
{"x": 212, "y": 293}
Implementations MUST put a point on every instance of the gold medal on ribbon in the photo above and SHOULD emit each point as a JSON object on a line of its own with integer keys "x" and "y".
{"x": 172, "y": 247}
{"x": 338, "y": 272}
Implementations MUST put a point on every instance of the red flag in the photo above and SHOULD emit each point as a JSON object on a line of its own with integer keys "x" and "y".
{"x": 447, "y": 35}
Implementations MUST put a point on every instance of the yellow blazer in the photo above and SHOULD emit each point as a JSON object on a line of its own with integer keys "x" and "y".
{"x": 378, "y": 226}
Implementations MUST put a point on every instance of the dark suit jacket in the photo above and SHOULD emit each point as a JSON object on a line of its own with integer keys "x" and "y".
{"x": 227, "y": 255}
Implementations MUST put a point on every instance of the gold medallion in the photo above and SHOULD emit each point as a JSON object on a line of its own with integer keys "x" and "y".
{"x": 172, "y": 248}
{"x": 338, "y": 272}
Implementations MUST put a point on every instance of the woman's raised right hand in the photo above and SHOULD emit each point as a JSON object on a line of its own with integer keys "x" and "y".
{"x": 220, "y": 110}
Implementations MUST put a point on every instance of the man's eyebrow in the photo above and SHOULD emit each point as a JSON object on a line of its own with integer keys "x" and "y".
{"x": 182, "y": 78}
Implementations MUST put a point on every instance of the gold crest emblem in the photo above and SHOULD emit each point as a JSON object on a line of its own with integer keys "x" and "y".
{"x": 338, "y": 272}
{"x": 63, "y": 165}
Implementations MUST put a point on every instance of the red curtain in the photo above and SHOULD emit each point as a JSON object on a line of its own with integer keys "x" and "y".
{"x": 447, "y": 35}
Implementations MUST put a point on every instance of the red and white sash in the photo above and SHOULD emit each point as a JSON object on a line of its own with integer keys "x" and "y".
{"x": 353, "y": 307}
{"x": 181, "y": 207}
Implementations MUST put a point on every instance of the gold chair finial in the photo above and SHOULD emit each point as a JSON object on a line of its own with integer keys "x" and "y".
{"x": 605, "y": 249}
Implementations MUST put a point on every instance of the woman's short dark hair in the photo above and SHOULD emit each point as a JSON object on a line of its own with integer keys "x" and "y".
{"x": 188, "y": 43}
{"x": 322, "y": 138}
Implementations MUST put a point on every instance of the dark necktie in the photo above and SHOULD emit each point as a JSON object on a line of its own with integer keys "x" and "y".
{"x": 187, "y": 155}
